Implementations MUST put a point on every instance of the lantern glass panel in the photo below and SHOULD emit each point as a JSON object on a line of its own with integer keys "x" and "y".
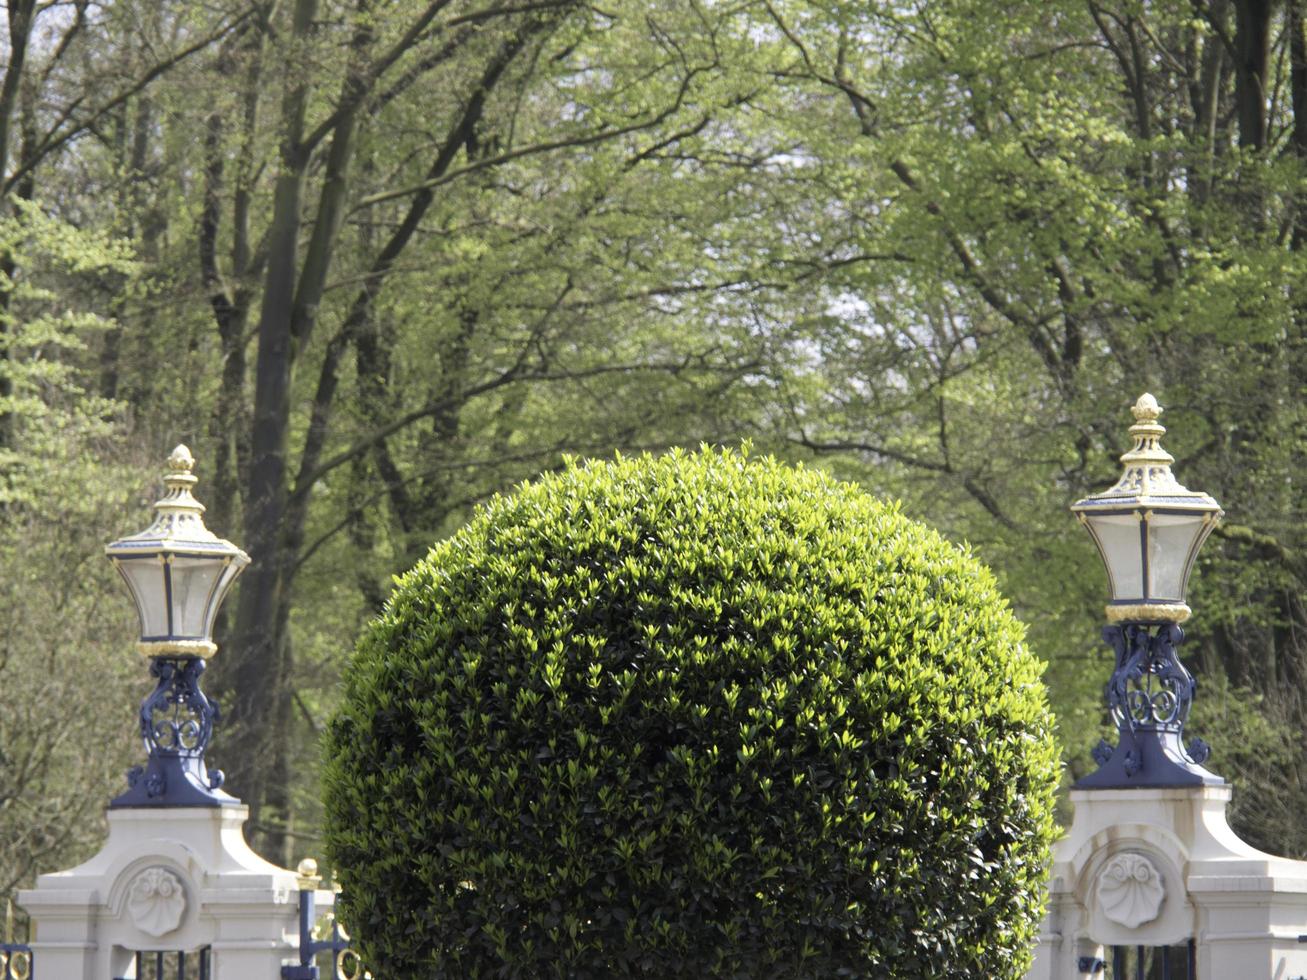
{"x": 193, "y": 581}
{"x": 1171, "y": 539}
{"x": 229, "y": 572}
{"x": 1117, "y": 536}
{"x": 145, "y": 578}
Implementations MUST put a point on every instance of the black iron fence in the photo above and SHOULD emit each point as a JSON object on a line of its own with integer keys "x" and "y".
{"x": 1145, "y": 963}
{"x": 1155, "y": 962}
{"x": 173, "y": 965}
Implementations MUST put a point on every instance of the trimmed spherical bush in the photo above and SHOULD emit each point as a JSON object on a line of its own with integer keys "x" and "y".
{"x": 692, "y": 716}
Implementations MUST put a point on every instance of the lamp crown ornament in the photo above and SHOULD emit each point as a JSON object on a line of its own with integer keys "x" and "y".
{"x": 1148, "y": 529}
{"x": 179, "y": 479}
{"x": 1147, "y": 455}
{"x": 1147, "y": 471}
{"x": 178, "y": 572}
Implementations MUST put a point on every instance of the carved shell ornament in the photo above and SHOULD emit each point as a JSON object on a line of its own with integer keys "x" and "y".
{"x": 1130, "y": 890}
{"x": 156, "y": 901}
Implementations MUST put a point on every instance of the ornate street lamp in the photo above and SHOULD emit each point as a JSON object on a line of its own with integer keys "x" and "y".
{"x": 1148, "y": 529}
{"x": 178, "y": 572}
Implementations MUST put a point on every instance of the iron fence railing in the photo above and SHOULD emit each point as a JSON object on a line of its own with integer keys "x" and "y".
{"x": 342, "y": 962}
{"x": 15, "y": 961}
{"x": 1144, "y": 963}
{"x": 15, "y": 957}
{"x": 173, "y": 965}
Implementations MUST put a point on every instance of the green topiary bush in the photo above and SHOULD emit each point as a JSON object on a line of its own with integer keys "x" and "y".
{"x": 692, "y": 716}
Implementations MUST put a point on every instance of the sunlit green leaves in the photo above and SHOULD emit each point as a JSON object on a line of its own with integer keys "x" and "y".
{"x": 687, "y": 714}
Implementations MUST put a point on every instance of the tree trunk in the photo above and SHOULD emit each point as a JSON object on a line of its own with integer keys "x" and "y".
{"x": 1252, "y": 42}
{"x": 256, "y": 661}
{"x": 258, "y": 665}
{"x": 20, "y": 16}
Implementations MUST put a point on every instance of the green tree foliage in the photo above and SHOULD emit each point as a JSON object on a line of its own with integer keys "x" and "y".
{"x": 692, "y": 715}
{"x": 396, "y": 255}
{"x": 419, "y": 221}
{"x": 1030, "y": 213}
{"x": 64, "y": 477}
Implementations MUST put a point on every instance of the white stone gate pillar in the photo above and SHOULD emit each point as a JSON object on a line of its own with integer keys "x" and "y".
{"x": 1149, "y": 859}
{"x": 1159, "y": 866}
{"x": 166, "y": 879}
{"x": 176, "y": 873}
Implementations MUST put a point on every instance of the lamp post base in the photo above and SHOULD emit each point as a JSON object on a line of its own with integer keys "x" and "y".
{"x": 172, "y": 781}
{"x": 1147, "y": 759}
{"x": 176, "y": 721}
{"x": 1192, "y": 879}
{"x": 1149, "y": 696}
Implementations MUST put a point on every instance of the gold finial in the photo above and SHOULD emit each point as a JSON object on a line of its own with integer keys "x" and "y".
{"x": 181, "y": 459}
{"x": 179, "y": 479}
{"x": 1145, "y": 409}
{"x": 180, "y": 464}
{"x": 307, "y": 872}
{"x": 1147, "y": 433}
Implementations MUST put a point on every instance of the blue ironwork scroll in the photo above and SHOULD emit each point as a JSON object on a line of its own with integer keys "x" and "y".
{"x": 16, "y": 961}
{"x": 344, "y": 963}
{"x": 176, "y": 721}
{"x": 1149, "y": 697}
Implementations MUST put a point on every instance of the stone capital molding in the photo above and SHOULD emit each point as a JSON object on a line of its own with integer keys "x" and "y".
{"x": 156, "y": 901}
{"x": 1130, "y": 890}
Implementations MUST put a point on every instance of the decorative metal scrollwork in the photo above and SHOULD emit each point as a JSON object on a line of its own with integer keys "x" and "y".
{"x": 1149, "y": 696}
{"x": 178, "y": 718}
{"x": 1150, "y": 687}
{"x": 349, "y": 965}
{"x": 1102, "y": 751}
{"x": 1133, "y": 762}
{"x": 176, "y": 724}
{"x": 15, "y": 961}
{"x": 322, "y": 935}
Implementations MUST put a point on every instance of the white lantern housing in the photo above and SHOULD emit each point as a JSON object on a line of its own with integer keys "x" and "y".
{"x": 178, "y": 570}
{"x": 1148, "y": 528}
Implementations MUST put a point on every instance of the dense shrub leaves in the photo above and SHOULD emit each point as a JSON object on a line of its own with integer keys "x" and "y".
{"x": 697, "y": 715}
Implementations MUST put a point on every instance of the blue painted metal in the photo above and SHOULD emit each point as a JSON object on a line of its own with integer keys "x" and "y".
{"x": 1149, "y": 695}
{"x": 177, "y": 721}
{"x": 310, "y": 948}
{"x": 17, "y": 962}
